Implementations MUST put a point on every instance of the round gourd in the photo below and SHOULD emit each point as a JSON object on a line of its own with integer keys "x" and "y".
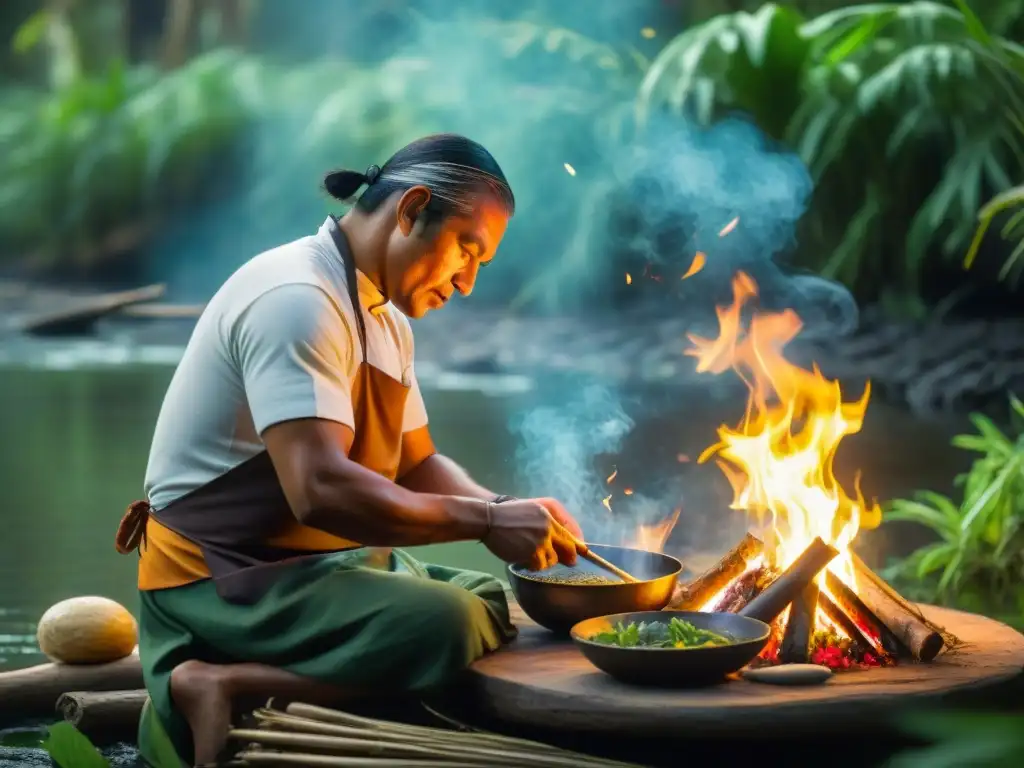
{"x": 87, "y": 630}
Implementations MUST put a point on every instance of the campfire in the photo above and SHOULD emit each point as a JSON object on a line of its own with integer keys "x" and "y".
{"x": 799, "y": 574}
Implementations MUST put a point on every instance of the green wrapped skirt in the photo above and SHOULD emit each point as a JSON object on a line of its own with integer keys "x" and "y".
{"x": 407, "y": 627}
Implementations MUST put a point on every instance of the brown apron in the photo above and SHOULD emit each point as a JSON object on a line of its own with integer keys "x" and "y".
{"x": 239, "y": 529}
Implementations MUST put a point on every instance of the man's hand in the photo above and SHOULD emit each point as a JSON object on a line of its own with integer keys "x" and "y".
{"x": 525, "y": 532}
{"x": 561, "y": 516}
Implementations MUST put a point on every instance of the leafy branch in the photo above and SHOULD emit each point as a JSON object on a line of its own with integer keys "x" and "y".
{"x": 923, "y": 74}
{"x": 980, "y": 540}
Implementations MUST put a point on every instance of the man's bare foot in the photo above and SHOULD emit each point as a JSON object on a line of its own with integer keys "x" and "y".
{"x": 202, "y": 694}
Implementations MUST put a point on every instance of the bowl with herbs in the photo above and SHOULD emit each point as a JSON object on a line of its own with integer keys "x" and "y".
{"x": 559, "y": 597}
{"x": 670, "y": 648}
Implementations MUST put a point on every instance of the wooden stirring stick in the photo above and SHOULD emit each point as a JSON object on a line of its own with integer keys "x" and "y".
{"x": 584, "y": 551}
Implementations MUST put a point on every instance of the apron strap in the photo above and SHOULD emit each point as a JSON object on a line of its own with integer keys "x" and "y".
{"x": 351, "y": 278}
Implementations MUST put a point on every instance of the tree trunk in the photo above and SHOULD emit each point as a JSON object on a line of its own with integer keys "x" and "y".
{"x": 144, "y": 27}
{"x": 182, "y": 22}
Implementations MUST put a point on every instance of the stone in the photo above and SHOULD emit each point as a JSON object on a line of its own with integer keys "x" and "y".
{"x": 789, "y": 674}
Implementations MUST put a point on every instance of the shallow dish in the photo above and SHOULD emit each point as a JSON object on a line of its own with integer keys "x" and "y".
{"x": 673, "y": 667}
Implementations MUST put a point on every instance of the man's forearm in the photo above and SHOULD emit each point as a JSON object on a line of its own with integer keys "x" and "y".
{"x": 439, "y": 474}
{"x": 360, "y": 505}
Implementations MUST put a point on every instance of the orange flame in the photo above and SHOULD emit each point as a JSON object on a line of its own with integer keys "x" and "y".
{"x": 699, "y": 260}
{"x": 612, "y": 476}
{"x": 779, "y": 459}
{"x": 652, "y": 538}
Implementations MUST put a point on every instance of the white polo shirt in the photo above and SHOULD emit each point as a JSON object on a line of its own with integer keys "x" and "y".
{"x": 278, "y": 341}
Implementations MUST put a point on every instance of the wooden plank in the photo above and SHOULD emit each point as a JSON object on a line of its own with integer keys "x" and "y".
{"x": 81, "y": 317}
{"x": 541, "y": 681}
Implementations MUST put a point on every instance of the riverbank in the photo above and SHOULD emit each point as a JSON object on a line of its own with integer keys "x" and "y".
{"x": 941, "y": 366}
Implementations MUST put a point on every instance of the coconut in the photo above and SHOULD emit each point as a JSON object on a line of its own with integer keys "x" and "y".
{"x": 87, "y": 630}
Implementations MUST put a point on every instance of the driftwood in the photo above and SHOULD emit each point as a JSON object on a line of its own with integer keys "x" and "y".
{"x": 103, "y": 716}
{"x": 33, "y": 692}
{"x": 82, "y": 316}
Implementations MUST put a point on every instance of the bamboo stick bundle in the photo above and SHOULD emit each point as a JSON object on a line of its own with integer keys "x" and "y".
{"x": 309, "y": 735}
{"x": 427, "y": 732}
{"x": 334, "y": 761}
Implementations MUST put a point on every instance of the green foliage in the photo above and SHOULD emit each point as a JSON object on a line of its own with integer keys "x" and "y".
{"x": 1011, "y": 201}
{"x": 108, "y": 152}
{"x": 69, "y": 748}
{"x": 889, "y": 104}
{"x": 102, "y": 160}
{"x": 981, "y": 540}
{"x": 677, "y": 633}
{"x": 960, "y": 739}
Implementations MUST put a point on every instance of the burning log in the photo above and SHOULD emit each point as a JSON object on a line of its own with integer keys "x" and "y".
{"x": 744, "y": 589}
{"x": 796, "y": 642}
{"x": 785, "y": 589}
{"x": 866, "y": 625}
{"x": 842, "y": 620}
{"x": 863, "y": 572}
{"x": 694, "y": 595}
{"x": 922, "y": 639}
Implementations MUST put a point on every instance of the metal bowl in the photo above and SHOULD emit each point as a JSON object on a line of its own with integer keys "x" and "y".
{"x": 558, "y": 606}
{"x": 674, "y": 667}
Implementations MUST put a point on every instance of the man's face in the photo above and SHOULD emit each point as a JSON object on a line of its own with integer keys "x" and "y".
{"x": 426, "y": 265}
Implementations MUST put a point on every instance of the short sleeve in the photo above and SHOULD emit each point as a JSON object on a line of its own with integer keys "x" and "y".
{"x": 294, "y": 350}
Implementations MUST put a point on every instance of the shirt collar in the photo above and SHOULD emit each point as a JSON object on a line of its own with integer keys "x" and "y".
{"x": 369, "y": 295}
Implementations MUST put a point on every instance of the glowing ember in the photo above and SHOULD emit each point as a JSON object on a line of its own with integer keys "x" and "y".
{"x": 629, "y": 278}
{"x": 696, "y": 265}
{"x": 647, "y": 32}
{"x": 779, "y": 459}
{"x": 607, "y": 501}
{"x": 729, "y": 227}
{"x": 569, "y": 169}
{"x": 628, "y": 491}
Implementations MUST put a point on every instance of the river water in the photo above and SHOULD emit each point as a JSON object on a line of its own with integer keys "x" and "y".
{"x": 76, "y": 437}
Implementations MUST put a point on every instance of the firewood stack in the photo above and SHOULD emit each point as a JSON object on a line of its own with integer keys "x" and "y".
{"x": 874, "y": 618}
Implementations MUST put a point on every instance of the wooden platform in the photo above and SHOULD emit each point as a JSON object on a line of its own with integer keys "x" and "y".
{"x": 541, "y": 682}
